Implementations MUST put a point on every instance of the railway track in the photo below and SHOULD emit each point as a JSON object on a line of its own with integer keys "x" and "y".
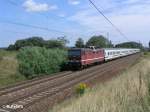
{"x": 29, "y": 94}
{"x": 12, "y": 97}
{"x": 29, "y": 83}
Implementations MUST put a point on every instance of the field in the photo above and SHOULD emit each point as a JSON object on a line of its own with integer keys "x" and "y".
{"x": 129, "y": 92}
{"x": 9, "y": 68}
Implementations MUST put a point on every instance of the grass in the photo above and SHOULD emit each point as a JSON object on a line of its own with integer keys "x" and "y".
{"x": 130, "y": 92}
{"x": 9, "y": 68}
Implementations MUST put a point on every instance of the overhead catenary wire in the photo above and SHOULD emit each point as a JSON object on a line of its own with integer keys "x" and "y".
{"x": 37, "y": 27}
{"x": 20, "y": 32}
{"x": 116, "y": 28}
{"x": 40, "y": 28}
{"x": 33, "y": 26}
{"x": 17, "y": 5}
{"x": 12, "y": 2}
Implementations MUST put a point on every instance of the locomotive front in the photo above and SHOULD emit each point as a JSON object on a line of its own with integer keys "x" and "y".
{"x": 74, "y": 58}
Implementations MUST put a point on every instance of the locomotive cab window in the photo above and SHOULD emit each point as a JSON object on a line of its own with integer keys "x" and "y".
{"x": 74, "y": 53}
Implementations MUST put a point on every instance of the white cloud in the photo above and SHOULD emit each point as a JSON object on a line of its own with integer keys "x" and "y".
{"x": 74, "y": 2}
{"x": 53, "y": 7}
{"x": 90, "y": 20}
{"x": 32, "y": 6}
{"x": 131, "y": 17}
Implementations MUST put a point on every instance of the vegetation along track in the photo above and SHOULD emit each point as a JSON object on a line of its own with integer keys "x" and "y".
{"x": 28, "y": 97}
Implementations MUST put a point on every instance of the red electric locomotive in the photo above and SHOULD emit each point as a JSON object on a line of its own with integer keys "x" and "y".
{"x": 81, "y": 57}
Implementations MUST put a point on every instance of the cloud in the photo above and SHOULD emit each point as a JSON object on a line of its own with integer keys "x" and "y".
{"x": 131, "y": 17}
{"x": 32, "y": 6}
{"x": 74, "y": 2}
{"x": 89, "y": 19}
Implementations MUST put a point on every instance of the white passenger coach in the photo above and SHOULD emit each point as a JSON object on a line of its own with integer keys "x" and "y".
{"x": 112, "y": 53}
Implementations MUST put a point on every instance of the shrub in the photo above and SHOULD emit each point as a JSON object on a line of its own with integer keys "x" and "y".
{"x": 145, "y": 53}
{"x": 36, "y": 61}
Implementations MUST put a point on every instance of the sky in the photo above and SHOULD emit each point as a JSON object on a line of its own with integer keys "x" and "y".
{"x": 50, "y": 19}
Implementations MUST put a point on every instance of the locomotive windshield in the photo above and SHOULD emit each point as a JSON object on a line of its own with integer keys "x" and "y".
{"x": 74, "y": 52}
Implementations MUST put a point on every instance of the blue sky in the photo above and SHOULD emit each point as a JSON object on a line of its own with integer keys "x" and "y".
{"x": 74, "y": 19}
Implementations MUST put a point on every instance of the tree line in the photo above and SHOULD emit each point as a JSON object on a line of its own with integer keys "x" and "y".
{"x": 99, "y": 41}
{"x": 102, "y": 42}
{"x": 39, "y": 42}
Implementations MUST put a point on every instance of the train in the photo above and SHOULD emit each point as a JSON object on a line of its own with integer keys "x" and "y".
{"x": 83, "y": 57}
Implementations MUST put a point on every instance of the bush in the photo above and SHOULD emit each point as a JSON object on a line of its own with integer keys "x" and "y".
{"x": 37, "y": 61}
{"x": 145, "y": 53}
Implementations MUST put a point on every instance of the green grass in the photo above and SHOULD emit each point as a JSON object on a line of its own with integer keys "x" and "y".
{"x": 146, "y": 54}
{"x": 9, "y": 68}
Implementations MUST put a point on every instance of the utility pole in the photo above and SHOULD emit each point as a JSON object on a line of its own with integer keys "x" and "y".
{"x": 108, "y": 35}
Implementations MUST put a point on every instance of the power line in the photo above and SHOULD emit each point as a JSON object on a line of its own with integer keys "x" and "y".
{"x": 12, "y": 2}
{"x": 117, "y": 29}
{"x": 16, "y": 4}
{"x": 38, "y": 27}
{"x": 32, "y": 26}
{"x": 17, "y": 32}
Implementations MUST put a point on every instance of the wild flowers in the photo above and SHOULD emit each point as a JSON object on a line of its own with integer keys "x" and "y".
{"x": 80, "y": 89}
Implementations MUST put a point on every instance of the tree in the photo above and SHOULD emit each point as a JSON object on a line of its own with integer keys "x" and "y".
{"x": 149, "y": 44}
{"x": 129, "y": 45}
{"x": 36, "y": 41}
{"x": 54, "y": 44}
{"x": 33, "y": 41}
{"x": 11, "y": 47}
{"x": 99, "y": 41}
{"x": 79, "y": 43}
{"x": 39, "y": 42}
{"x": 63, "y": 40}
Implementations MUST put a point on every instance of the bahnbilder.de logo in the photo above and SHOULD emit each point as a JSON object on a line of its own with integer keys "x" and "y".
{"x": 13, "y": 106}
